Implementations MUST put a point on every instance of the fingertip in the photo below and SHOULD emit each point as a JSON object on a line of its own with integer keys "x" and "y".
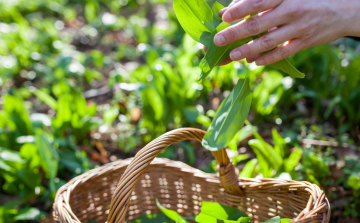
{"x": 253, "y": 58}
{"x": 227, "y": 17}
{"x": 225, "y": 62}
{"x": 222, "y": 11}
{"x": 260, "y": 62}
{"x": 248, "y": 60}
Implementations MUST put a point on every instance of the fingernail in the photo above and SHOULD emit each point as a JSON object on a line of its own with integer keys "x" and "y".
{"x": 260, "y": 62}
{"x": 219, "y": 40}
{"x": 235, "y": 55}
{"x": 227, "y": 16}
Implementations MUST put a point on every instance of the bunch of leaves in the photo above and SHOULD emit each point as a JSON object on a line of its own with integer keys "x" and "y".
{"x": 211, "y": 212}
{"x": 202, "y": 23}
{"x": 32, "y": 160}
{"x": 272, "y": 160}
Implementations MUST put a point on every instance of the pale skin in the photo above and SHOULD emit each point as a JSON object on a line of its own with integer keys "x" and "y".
{"x": 293, "y": 25}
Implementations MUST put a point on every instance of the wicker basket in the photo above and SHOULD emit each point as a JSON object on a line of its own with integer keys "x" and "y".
{"x": 143, "y": 179}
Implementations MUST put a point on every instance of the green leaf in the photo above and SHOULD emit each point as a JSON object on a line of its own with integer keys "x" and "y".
{"x": 315, "y": 165}
{"x": 286, "y": 220}
{"x": 354, "y": 181}
{"x": 9, "y": 155}
{"x": 273, "y": 220}
{"x": 267, "y": 152}
{"x": 204, "y": 120}
{"x": 288, "y": 68}
{"x": 217, "y": 7}
{"x": 173, "y": 215}
{"x": 49, "y": 157}
{"x": 268, "y": 93}
{"x": 4, "y": 166}
{"x": 15, "y": 110}
{"x": 280, "y": 143}
{"x": 46, "y": 98}
{"x": 29, "y": 214}
{"x": 215, "y": 55}
{"x": 249, "y": 169}
{"x": 293, "y": 160}
{"x": 211, "y": 210}
{"x": 30, "y": 152}
{"x": 152, "y": 218}
{"x": 196, "y": 18}
{"x": 230, "y": 117}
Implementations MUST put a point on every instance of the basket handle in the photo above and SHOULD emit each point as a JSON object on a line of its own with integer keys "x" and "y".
{"x": 120, "y": 200}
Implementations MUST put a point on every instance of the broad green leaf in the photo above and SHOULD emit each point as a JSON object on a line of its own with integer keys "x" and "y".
{"x": 4, "y": 166}
{"x": 46, "y": 98}
{"x": 248, "y": 171}
{"x": 9, "y": 155}
{"x": 152, "y": 218}
{"x": 204, "y": 218}
{"x": 288, "y": 68}
{"x": 215, "y": 55}
{"x": 49, "y": 158}
{"x": 204, "y": 120}
{"x": 211, "y": 210}
{"x": 261, "y": 148}
{"x": 273, "y": 220}
{"x": 315, "y": 165}
{"x": 268, "y": 93}
{"x": 30, "y": 152}
{"x": 15, "y": 110}
{"x": 293, "y": 160}
{"x": 29, "y": 214}
{"x": 230, "y": 117}
{"x": 354, "y": 181}
{"x": 196, "y": 18}
{"x": 217, "y": 7}
{"x": 240, "y": 220}
{"x": 173, "y": 215}
{"x": 286, "y": 220}
{"x": 280, "y": 143}
{"x": 191, "y": 113}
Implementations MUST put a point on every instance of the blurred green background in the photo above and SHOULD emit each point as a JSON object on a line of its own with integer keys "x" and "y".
{"x": 87, "y": 82}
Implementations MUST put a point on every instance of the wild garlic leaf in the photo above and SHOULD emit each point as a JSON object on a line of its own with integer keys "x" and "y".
{"x": 173, "y": 215}
{"x": 196, "y": 17}
{"x": 265, "y": 150}
{"x": 216, "y": 55}
{"x": 211, "y": 212}
{"x": 216, "y": 9}
{"x": 288, "y": 68}
{"x": 277, "y": 219}
{"x": 286, "y": 220}
{"x": 229, "y": 117}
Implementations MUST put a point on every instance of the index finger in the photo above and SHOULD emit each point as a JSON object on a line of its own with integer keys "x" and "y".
{"x": 244, "y": 8}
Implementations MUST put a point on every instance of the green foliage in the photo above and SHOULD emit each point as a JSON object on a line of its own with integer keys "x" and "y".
{"x": 75, "y": 74}
{"x": 173, "y": 215}
{"x": 230, "y": 117}
{"x": 211, "y": 212}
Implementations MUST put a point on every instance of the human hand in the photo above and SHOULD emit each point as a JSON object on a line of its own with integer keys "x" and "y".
{"x": 292, "y": 25}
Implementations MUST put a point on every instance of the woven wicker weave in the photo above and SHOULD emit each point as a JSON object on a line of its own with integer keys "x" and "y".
{"x": 143, "y": 179}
